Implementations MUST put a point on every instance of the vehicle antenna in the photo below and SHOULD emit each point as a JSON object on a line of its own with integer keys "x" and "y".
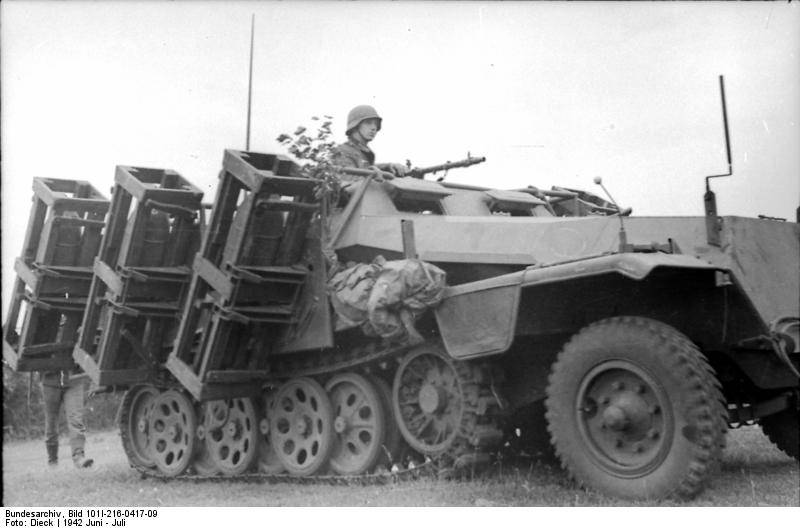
{"x": 250, "y": 80}
{"x": 709, "y": 198}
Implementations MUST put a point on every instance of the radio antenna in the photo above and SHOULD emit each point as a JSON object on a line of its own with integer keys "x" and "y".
{"x": 250, "y": 80}
{"x": 709, "y": 198}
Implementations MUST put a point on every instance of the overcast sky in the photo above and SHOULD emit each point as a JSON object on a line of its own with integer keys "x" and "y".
{"x": 551, "y": 93}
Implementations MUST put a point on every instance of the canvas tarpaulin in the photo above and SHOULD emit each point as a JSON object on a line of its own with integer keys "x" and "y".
{"x": 386, "y": 297}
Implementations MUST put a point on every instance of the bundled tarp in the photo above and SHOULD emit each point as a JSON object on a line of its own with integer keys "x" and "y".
{"x": 386, "y": 297}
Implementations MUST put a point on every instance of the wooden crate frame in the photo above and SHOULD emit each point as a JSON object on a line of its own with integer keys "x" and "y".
{"x": 53, "y": 273}
{"x": 236, "y": 287}
{"x": 138, "y": 286}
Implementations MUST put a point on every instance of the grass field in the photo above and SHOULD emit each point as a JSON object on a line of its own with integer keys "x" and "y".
{"x": 753, "y": 473}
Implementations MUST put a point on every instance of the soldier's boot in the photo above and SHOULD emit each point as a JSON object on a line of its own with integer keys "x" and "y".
{"x": 81, "y": 461}
{"x": 52, "y": 455}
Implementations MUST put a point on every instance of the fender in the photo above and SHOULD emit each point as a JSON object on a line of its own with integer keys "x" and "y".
{"x": 479, "y": 318}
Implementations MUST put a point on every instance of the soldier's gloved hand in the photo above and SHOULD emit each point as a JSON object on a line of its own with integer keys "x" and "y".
{"x": 381, "y": 174}
{"x": 397, "y": 169}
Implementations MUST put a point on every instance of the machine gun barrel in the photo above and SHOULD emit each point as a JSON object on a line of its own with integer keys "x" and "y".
{"x": 418, "y": 172}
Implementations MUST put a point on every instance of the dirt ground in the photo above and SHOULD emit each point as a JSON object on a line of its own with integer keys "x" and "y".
{"x": 753, "y": 473}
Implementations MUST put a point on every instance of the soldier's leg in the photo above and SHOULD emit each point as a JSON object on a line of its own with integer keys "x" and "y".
{"x": 51, "y": 397}
{"x": 74, "y": 407}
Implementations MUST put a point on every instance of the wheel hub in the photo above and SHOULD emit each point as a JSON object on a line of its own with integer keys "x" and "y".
{"x": 173, "y": 432}
{"x": 339, "y": 424}
{"x": 432, "y": 398}
{"x": 621, "y": 418}
{"x": 268, "y": 460}
{"x": 615, "y": 418}
{"x": 629, "y": 413}
{"x": 263, "y": 426}
{"x": 232, "y": 428}
{"x": 301, "y": 425}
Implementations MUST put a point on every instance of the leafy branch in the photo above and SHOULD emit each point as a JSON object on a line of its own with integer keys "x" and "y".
{"x": 313, "y": 148}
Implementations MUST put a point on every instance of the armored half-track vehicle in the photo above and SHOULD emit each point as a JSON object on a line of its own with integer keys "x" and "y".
{"x": 407, "y": 321}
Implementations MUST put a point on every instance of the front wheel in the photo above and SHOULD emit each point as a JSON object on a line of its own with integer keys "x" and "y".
{"x": 635, "y": 411}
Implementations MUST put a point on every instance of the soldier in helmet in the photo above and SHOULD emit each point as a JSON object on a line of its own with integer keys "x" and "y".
{"x": 363, "y": 123}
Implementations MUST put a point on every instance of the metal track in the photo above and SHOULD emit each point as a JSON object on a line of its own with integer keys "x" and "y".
{"x": 425, "y": 469}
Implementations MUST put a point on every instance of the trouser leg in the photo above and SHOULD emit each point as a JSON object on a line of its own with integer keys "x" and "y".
{"x": 73, "y": 405}
{"x": 52, "y": 405}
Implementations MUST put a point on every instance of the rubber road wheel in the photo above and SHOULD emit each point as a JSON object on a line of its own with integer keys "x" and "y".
{"x": 634, "y": 410}
{"x": 133, "y": 421}
{"x": 267, "y": 460}
{"x": 359, "y": 424}
{"x": 301, "y": 426}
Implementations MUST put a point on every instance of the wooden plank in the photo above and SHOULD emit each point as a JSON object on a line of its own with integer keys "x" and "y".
{"x": 123, "y": 377}
{"x": 10, "y": 354}
{"x": 33, "y": 232}
{"x": 87, "y": 363}
{"x": 90, "y": 241}
{"x": 45, "y": 364}
{"x": 214, "y": 277}
{"x": 236, "y": 166}
{"x": 239, "y": 230}
{"x": 188, "y": 318}
{"x": 221, "y": 218}
{"x": 51, "y": 186}
{"x": 130, "y": 247}
{"x": 236, "y": 375}
{"x": 47, "y": 242}
{"x": 214, "y": 345}
{"x": 14, "y": 307}
{"x": 81, "y": 205}
{"x": 46, "y": 348}
{"x": 176, "y": 197}
{"x": 110, "y": 278}
{"x": 135, "y": 186}
{"x": 78, "y": 221}
{"x": 261, "y": 179}
{"x": 26, "y": 275}
{"x": 90, "y": 315}
{"x": 117, "y": 220}
{"x": 228, "y": 391}
{"x": 109, "y": 347}
{"x": 185, "y": 375}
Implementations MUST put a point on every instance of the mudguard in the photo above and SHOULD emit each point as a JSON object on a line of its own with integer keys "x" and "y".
{"x": 479, "y": 318}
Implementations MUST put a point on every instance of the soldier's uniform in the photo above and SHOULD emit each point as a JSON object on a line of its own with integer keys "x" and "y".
{"x": 67, "y": 387}
{"x": 353, "y": 154}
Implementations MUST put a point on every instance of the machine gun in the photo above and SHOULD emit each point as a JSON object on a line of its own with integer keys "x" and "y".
{"x": 420, "y": 172}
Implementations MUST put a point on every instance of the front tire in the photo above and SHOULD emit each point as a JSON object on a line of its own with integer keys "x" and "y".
{"x": 634, "y": 410}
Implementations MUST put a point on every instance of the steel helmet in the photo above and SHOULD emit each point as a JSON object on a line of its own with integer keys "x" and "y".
{"x": 359, "y": 114}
